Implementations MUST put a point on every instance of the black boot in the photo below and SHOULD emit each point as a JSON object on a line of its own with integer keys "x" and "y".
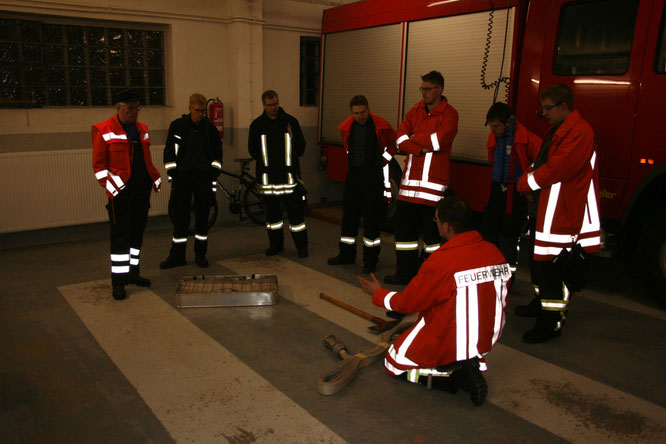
{"x": 470, "y": 379}
{"x": 202, "y": 262}
{"x": 171, "y": 262}
{"x": 119, "y": 292}
{"x": 541, "y": 333}
{"x": 139, "y": 281}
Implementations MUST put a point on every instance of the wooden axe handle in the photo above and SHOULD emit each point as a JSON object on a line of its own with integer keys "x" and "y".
{"x": 368, "y": 316}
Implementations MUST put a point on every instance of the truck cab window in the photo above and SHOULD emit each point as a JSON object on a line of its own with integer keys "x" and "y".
{"x": 595, "y": 37}
{"x": 660, "y": 62}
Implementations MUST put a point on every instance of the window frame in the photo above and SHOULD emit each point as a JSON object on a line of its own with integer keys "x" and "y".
{"x": 306, "y": 76}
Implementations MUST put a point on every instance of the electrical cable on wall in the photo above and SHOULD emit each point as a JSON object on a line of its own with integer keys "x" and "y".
{"x": 486, "y": 55}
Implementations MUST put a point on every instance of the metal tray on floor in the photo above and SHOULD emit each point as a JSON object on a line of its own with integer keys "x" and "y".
{"x": 227, "y": 291}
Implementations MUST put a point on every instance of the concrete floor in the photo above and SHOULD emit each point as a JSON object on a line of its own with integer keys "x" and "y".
{"x": 76, "y": 366}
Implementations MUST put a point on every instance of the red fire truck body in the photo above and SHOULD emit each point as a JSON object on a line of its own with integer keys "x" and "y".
{"x": 610, "y": 52}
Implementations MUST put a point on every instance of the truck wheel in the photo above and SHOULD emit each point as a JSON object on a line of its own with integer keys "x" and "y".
{"x": 653, "y": 246}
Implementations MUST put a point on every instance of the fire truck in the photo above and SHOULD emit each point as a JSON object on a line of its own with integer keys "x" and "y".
{"x": 612, "y": 53}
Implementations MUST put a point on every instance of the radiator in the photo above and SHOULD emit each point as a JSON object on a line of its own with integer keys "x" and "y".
{"x": 45, "y": 189}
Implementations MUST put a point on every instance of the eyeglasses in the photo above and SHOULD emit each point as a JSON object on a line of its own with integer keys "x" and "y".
{"x": 426, "y": 89}
{"x": 199, "y": 110}
{"x": 549, "y": 107}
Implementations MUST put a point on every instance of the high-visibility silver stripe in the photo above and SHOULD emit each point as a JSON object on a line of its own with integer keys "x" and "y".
{"x": 431, "y": 248}
{"x": 120, "y": 257}
{"x": 500, "y": 302}
{"x": 426, "y": 167}
{"x": 400, "y": 357}
{"x": 566, "y": 239}
{"x": 264, "y": 149}
{"x": 348, "y": 240}
{"x": 120, "y": 269}
{"x": 549, "y": 303}
{"x": 472, "y": 321}
{"x": 371, "y": 242}
{"x": 387, "y": 155}
{"x": 146, "y": 136}
{"x": 592, "y": 222}
{"x": 117, "y": 180}
{"x": 158, "y": 182}
{"x": 134, "y": 261}
{"x": 387, "y": 299}
{"x": 275, "y": 226}
{"x": 421, "y": 195}
{"x": 593, "y": 160}
{"x": 110, "y": 188}
{"x": 200, "y": 237}
{"x": 177, "y": 136}
{"x": 590, "y": 241}
{"x": 113, "y": 136}
{"x": 408, "y": 169}
{"x": 434, "y": 141}
{"x": 176, "y": 147}
{"x": 275, "y": 193}
{"x": 402, "y": 139}
{"x": 461, "y": 323}
{"x": 264, "y": 179}
{"x": 553, "y": 197}
{"x": 101, "y": 174}
{"x": 216, "y": 164}
{"x": 134, "y": 252}
{"x": 424, "y": 184}
{"x": 388, "y": 194}
{"x": 389, "y": 367}
{"x": 406, "y": 245}
{"x": 287, "y": 149}
{"x": 179, "y": 240}
{"x": 170, "y": 165}
{"x": 531, "y": 181}
{"x": 547, "y": 251}
{"x": 297, "y": 228}
{"x": 290, "y": 179}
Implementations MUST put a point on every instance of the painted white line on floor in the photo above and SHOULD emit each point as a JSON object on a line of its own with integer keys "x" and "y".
{"x": 196, "y": 388}
{"x": 571, "y": 406}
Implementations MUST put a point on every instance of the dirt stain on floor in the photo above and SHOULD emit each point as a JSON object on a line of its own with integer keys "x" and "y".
{"x": 596, "y": 412}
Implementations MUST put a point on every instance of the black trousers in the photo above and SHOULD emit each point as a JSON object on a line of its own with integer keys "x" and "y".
{"x": 128, "y": 213}
{"x": 412, "y": 218}
{"x": 295, "y": 207}
{"x": 553, "y": 294}
{"x": 199, "y": 186}
{"x": 363, "y": 197}
{"x": 496, "y": 229}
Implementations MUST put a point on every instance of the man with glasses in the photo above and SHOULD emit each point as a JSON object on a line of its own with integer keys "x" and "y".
{"x": 426, "y": 134}
{"x": 562, "y": 189}
{"x": 193, "y": 160}
{"x": 276, "y": 142}
{"x": 123, "y": 166}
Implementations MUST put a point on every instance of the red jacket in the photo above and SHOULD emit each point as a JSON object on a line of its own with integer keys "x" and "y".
{"x": 526, "y": 146}
{"x": 460, "y": 294}
{"x": 426, "y": 175}
{"x": 569, "y": 203}
{"x": 385, "y": 136}
{"x": 113, "y": 154}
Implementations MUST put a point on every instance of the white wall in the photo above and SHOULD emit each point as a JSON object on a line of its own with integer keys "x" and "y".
{"x": 231, "y": 49}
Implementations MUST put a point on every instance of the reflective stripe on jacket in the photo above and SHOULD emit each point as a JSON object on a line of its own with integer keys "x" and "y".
{"x": 568, "y": 209}
{"x": 426, "y": 175}
{"x": 460, "y": 294}
{"x": 112, "y": 155}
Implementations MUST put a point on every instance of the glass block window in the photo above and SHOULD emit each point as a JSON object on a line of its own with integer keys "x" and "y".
{"x": 309, "y": 85}
{"x": 51, "y": 64}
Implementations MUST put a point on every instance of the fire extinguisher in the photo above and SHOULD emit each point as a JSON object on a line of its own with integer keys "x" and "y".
{"x": 216, "y": 114}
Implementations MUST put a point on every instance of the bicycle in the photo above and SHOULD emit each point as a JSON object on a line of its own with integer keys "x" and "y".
{"x": 244, "y": 201}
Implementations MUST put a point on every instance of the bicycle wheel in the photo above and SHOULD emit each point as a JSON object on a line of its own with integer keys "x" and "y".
{"x": 252, "y": 203}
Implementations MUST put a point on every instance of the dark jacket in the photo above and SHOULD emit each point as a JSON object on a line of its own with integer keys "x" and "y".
{"x": 276, "y": 144}
{"x": 192, "y": 147}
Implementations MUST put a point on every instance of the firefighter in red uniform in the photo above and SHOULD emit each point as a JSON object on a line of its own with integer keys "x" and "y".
{"x": 370, "y": 144}
{"x": 426, "y": 134}
{"x": 460, "y": 295}
{"x": 123, "y": 166}
{"x": 562, "y": 185}
{"x": 512, "y": 148}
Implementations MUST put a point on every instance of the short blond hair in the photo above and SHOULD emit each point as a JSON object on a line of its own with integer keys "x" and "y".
{"x": 197, "y": 99}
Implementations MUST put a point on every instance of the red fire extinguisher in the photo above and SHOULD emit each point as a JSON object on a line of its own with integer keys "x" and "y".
{"x": 216, "y": 114}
